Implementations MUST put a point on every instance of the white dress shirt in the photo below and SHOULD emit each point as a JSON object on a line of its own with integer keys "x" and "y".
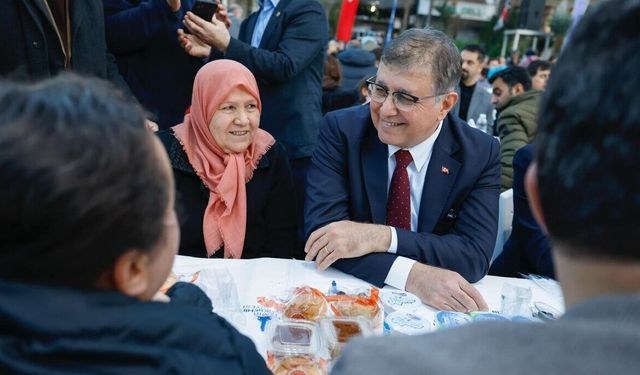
{"x": 417, "y": 171}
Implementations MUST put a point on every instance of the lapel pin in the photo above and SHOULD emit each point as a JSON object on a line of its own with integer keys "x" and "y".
{"x": 444, "y": 170}
{"x": 278, "y": 14}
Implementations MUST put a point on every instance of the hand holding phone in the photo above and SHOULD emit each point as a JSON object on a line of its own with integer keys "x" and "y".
{"x": 205, "y": 9}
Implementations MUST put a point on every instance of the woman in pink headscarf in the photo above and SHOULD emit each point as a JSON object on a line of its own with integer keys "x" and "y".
{"x": 234, "y": 186}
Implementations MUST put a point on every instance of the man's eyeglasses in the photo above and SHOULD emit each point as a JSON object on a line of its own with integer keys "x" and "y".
{"x": 403, "y": 101}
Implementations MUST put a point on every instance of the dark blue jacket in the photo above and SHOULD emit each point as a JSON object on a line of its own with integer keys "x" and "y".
{"x": 45, "y": 330}
{"x": 288, "y": 67}
{"x": 30, "y": 48}
{"x": 143, "y": 36}
{"x": 356, "y": 64}
{"x": 528, "y": 249}
{"x": 458, "y": 218}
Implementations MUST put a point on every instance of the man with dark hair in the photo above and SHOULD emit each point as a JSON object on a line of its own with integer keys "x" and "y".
{"x": 539, "y": 71}
{"x": 584, "y": 189}
{"x": 517, "y": 107}
{"x": 475, "y": 92}
{"x": 88, "y": 237}
{"x": 400, "y": 192}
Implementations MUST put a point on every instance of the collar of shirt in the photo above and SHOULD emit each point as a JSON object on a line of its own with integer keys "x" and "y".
{"x": 420, "y": 152}
{"x": 269, "y": 4}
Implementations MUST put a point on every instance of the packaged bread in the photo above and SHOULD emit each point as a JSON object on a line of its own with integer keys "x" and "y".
{"x": 307, "y": 304}
{"x": 360, "y": 303}
{"x": 297, "y": 366}
{"x": 337, "y": 331}
{"x": 293, "y": 345}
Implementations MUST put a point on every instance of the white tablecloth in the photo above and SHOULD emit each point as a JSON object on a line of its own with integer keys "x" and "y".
{"x": 269, "y": 277}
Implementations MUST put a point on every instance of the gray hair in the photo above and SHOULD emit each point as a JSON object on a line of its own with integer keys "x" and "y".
{"x": 429, "y": 50}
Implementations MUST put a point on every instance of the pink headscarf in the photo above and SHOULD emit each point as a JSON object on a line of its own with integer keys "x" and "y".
{"x": 226, "y": 175}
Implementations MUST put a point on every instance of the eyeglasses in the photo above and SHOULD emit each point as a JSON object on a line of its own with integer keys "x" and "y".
{"x": 403, "y": 101}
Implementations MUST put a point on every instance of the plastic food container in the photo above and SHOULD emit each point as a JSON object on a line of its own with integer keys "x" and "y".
{"x": 337, "y": 331}
{"x": 308, "y": 304}
{"x": 292, "y": 347}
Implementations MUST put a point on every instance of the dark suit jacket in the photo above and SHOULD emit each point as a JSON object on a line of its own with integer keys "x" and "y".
{"x": 142, "y": 36}
{"x": 30, "y": 49}
{"x": 271, "y": 217}
{"x": 288, "y": 67}
{"x": 528, "y": 249}
{"x": 458, "y": 218}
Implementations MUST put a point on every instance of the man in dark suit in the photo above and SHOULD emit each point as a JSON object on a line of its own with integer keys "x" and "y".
{"x": 435, "y": 229}
{"x": 283, "y": 45}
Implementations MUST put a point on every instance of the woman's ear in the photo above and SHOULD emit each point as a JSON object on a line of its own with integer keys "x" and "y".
{"x": 131, "y": 274}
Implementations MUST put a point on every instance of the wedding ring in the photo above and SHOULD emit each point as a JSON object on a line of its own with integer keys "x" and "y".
{"x": 327, "y": 249}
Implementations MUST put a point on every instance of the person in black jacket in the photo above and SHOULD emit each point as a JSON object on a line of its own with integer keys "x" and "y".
{"x": 234, "y": 186}
{"x": 142, "y": 36}
{"x": 88, "y": 237}
{"x": 528, "y": 249}
{"x": 39, "y": 39}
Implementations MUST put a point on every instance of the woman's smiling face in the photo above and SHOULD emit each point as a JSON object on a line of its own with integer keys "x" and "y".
{"x": 235, "y": 122}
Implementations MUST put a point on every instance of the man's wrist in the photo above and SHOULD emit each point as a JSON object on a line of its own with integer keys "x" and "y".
{"x": 381, "y": 238}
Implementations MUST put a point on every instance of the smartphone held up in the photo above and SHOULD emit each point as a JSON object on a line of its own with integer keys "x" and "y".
{"x": 204, "y": 9}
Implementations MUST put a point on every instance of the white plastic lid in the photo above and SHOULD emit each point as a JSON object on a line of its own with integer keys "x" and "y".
{"x": 401, "y": 322}
{"x": 394, "y": 300}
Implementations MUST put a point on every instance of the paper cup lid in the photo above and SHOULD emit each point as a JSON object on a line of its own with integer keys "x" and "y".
{"x": 398, "y": 300}
{"x": 407, "y": 324}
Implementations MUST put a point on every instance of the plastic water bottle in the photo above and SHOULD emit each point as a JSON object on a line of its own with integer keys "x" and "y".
{"x": 482, "y": 122}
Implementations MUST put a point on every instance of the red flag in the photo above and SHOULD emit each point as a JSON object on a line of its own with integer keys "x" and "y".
{"x": 347, "y": 16}
{"x": 504, "y": 15}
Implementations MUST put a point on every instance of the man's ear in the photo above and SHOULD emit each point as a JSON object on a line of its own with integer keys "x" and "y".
{"x": 517, "y": 89}
{"x": 531, "y": 187}
{"x": 447, "y": 104}
{"x": 131, "y": 273}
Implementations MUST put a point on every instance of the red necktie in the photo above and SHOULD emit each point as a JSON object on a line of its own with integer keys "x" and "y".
{"x": 399, "y": 201}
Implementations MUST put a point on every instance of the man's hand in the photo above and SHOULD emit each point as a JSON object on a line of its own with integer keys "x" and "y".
{"x": 443, "y": 289}
{"x": 222, "y": 15}
{"x": 174, "y": 5}
{"x": 213, "y": 33}
{"x": 345, "y": 239}
{"x": 193, "y": 45}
